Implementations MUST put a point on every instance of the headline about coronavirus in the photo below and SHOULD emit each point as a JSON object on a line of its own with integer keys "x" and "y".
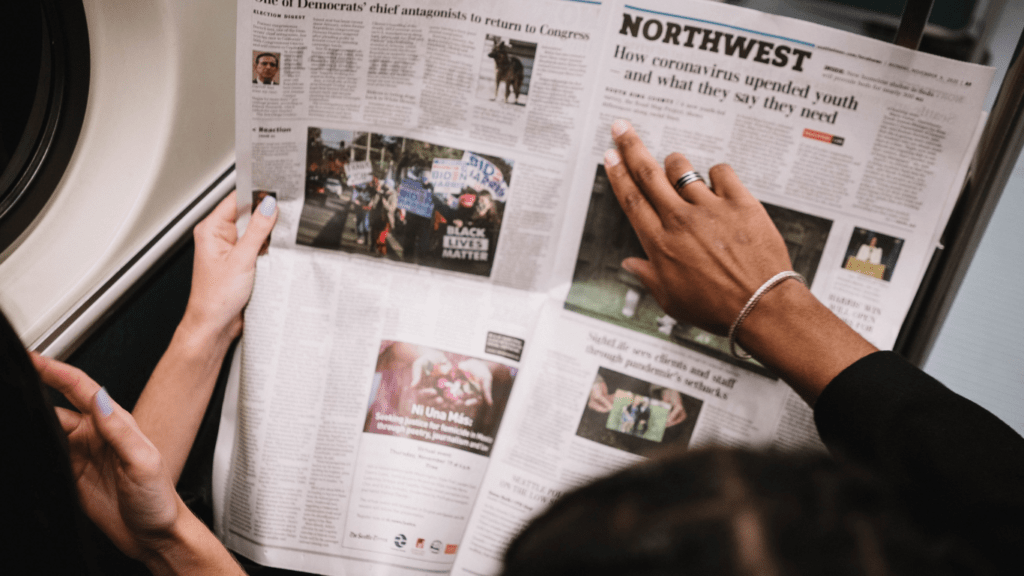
{"x": 685, "y": 73}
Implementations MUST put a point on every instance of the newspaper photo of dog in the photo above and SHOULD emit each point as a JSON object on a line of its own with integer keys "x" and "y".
{"x": 508, "y": 64}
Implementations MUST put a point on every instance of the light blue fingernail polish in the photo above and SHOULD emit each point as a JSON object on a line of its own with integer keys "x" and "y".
{"x": 104, "y": 403}
{"x": 267, "y": 206}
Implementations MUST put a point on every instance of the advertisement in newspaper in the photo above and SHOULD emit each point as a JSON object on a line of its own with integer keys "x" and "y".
{"x": 434, "y": 414}
{"x": 442, "y": 339}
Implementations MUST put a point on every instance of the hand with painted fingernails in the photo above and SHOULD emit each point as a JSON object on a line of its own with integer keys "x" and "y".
{"x": 119, "y": 474}
{"x": 225, "y": 266}
{"x": 123, "y": 485}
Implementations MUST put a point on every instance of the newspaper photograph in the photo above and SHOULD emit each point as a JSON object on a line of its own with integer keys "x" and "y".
{"x": 403, "y": 199}
{"x": 438, "y": 397}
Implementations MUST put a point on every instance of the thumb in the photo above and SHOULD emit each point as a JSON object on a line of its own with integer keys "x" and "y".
{"x": 642, "y": 269}
{"x": 258, "y": 230}
{"x": 117, "y": 427}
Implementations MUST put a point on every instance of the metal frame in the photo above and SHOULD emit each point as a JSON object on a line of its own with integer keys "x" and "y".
{"x": 912, "y": 23}
{"x": 997, "y": 153}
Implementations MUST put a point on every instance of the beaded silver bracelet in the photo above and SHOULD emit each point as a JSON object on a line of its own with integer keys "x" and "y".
{"x": 771, "y": 283}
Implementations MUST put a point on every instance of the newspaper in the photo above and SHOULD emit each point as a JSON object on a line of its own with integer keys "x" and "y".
{"x": 441, "y": 339}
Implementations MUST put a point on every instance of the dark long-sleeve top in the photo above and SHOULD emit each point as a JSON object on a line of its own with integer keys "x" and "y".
{"x": 958, "y": 467}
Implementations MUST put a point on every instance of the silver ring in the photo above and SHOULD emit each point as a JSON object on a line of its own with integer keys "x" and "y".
{"x": 691, "y": 176}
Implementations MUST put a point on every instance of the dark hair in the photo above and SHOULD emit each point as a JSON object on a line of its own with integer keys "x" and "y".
{"x": 44, "y": 523}
{"x": 271, "y": 54}
{"x": 727, "y": 512}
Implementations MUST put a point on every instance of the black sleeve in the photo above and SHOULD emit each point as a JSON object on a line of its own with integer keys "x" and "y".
{"x": 959, "y": 468}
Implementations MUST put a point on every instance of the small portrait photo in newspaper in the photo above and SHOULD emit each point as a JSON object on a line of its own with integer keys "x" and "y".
{"x": 636, "y": 416}
{"x": 505, "y": 70}
{"x": 602, "y": 289}
{"x": 439, "y": 397}
{"x": 872, "y": 253}
{"x": 404, "y": 200}
{"x": 266, "y": 68}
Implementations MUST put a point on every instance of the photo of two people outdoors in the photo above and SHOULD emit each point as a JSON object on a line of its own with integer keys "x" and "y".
{"x": 637, "y": 416}
{"x": 402, "y": 199}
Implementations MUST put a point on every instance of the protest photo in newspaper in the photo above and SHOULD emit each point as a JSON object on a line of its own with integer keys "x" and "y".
{"x": 403, "y": 199}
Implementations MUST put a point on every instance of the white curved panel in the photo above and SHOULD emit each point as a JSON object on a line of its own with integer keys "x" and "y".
{"x": 158, "y": 131}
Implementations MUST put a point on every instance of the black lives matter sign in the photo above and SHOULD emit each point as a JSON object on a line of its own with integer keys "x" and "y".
{"x": 466, "y": 243}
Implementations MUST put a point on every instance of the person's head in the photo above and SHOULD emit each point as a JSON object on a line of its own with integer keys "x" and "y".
{"x": 44, "y": 519}
{"x": 726, "y": 512}
{"x": 873, "y": 242}
{"x": 484, "y": 203}
{"x": 266, "y": 67}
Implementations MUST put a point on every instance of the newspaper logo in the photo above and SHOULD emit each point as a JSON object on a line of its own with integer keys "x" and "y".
{"x": 400, "y": 541}
{"x": 435, "y": 547}
{"x": 451, "y": 548}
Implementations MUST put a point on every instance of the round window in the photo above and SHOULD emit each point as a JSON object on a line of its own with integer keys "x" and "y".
{"x": 46, "y": 67}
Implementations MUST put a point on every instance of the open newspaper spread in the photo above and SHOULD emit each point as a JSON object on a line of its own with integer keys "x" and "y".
{"x": 441, "y": 339}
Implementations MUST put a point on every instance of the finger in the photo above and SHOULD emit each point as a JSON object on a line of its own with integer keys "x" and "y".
{"x": 727, "y": 184}
{"x": 641, "y": 214}
{"x": 487, "y": 392}
{"x": 220, "y": 222}
{"x": 74, "y": 384}
{"x": 119, "y": 429}
{"x": 258, "y": 230}
{"x": 644, "y": 270}
{"x": 68, "y": 420}
{"x": 677, "y": 415}
{"x": 675, "y": 166}
{"x": 226, "y": 210}
{"x": 645, "y": 170}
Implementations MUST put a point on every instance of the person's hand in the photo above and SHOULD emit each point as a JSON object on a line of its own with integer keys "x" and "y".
{"x": 479, "y": 374}
{"x": 428, "y": 367}
{"x": 600, "y": 400}
{"x": 225, "y": 266}
{"x": 676, "y": 413}
{"x": 708, "y": 251}
{"x": 120, "y": 477}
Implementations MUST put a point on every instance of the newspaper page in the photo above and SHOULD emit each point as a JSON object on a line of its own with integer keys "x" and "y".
{"x": 856, "y": 149}
{"x": 420, "y": 155}
{"x": 447, "y": 255}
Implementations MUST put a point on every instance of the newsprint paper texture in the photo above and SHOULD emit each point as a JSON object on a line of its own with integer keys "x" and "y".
{"x": 441, "y": 340}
